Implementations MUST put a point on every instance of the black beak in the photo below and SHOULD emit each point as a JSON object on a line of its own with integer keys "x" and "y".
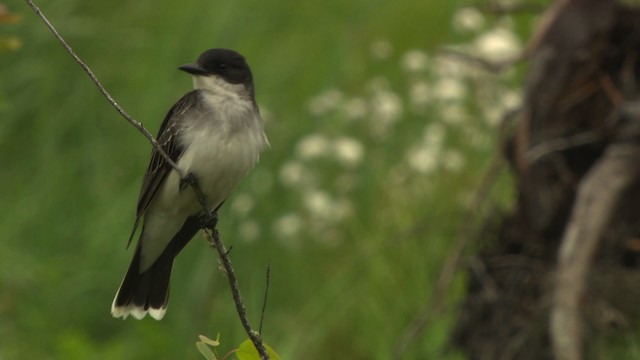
{"x": 194, "y": 69}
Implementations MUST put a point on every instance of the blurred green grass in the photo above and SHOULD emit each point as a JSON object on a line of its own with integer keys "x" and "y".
{"x": 72, "y": 168}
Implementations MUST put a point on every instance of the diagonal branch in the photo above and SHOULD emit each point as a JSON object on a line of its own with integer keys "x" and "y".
{"x": 212, "y": 237}
{"x": 104, "y": 91}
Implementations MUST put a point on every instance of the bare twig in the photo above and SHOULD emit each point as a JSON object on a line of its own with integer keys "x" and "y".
{"x": 598, "y": 197}
{"x": 104, "y": 92}
{"x": 266, "y": 295}
{"x": 215, "y": 241}
{"x": 214, "y": 237}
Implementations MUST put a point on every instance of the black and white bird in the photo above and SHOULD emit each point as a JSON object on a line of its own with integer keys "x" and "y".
{"x": 214, "y": 133}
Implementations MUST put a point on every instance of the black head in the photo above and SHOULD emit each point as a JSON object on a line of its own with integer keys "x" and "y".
{"x": 225, "y": 63}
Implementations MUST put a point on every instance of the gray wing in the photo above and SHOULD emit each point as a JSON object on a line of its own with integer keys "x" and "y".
{"x": 158, "y": 168}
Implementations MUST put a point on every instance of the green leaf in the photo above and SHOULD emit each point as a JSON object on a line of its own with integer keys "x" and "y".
{"x": 247, "y": 351}
{"x": 206, "y": 351}
{"x": 210, "y": 342}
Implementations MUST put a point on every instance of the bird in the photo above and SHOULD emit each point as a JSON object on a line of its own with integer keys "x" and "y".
{"x": 215, "y": 135}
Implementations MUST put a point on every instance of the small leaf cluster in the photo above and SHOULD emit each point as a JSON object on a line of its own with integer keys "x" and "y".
{"x": 246, "y": 351}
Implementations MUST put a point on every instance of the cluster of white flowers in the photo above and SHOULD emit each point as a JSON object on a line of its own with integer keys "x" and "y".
{"x": 429, "y": 112}
{"x": 346, "y": 150}
{"x": 459, "y": 97}
{"x": 320, "y": 208}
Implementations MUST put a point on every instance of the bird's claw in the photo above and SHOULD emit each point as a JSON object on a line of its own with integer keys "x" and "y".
{"x": 209, "y": 221}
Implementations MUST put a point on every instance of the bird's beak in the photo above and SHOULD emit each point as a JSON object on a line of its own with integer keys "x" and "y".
{"x": 194, "y": 69}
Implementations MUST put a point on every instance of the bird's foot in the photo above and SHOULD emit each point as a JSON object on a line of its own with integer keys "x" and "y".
{"x": 209, "y": 221}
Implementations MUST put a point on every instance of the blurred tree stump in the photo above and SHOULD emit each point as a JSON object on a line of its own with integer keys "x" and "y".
{"x": 563, "y": 268}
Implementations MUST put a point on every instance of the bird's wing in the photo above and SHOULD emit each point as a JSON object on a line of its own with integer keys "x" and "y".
{"x": 158, "y": 168}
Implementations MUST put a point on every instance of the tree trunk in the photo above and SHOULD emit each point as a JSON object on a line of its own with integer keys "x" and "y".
{"x": 563, "y": 268}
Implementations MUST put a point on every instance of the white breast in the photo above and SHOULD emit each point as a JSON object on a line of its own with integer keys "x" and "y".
{"x": 224, "y": 144}
{"x": 220, "y": 156}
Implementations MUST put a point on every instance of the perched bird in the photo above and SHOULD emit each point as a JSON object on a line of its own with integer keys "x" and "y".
{"x": 214, "y": 134}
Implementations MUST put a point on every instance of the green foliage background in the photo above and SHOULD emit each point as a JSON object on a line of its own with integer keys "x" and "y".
{"x": 71, "y": 170}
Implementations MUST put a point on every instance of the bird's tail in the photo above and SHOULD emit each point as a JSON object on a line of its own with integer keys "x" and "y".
{"x": 144, "y": 292}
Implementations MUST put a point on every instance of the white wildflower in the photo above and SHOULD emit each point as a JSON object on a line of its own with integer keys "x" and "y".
{"x": 318, "y": 203}
{"x": 288, "y": 225}
{"x": 449, "y": 89}
{"x": 497, "y": 45}
{"x": 511, "y": 99}
{"x": 323, "y": 207}
{"x": 325, "y": 102}
{"x": 468, "y": 20}
{"x": 414, "y": 61}
{"x": 312, "y": 146}
{"x": 492, "y": 114}
{"x": 423, "y": 159}
{"x": 293, "y": 173}
{"x": 445, "y": 66}
{"x": 348, "y": 151}
{"x": 386, "y": 109}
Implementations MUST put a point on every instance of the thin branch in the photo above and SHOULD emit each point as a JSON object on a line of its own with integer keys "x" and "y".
{"x": 215, "y": 241}
{"x": 266, "y": 294}
{"x": 214, "y": 238}
{"x": 104, "y": 92}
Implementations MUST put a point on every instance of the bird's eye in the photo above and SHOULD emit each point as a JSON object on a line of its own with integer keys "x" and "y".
{"x": 222, "y": 67}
